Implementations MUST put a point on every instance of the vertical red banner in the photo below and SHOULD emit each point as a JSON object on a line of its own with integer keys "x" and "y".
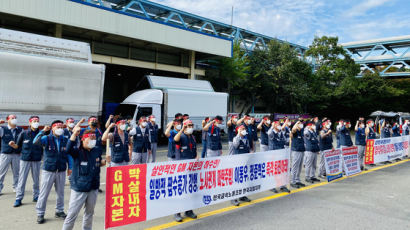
{"x": 125, "y": 201}
{"x": 369, "y": 153}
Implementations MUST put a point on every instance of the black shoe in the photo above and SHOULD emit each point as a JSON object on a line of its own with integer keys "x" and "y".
{"x": 310, "y": 181}
{"x": 190, "y": 214}
{"x": 100, "y": 191}
{"x": 274, "y": 190}
{"x": 315, "y": 179}
{"x": 40, "y": 219}
{"x": 398, "y": 159}
{"x": 300, "y": 184}
{"x": 61, "y": 215}
{"x": 245, "y": 199}
{"x": 294, "y": 186}
{"x": 35, "y": 199}
{"x": 17, "y": 203}
{"x": 235, "y": 202}
{"x": 284, "y": 189}
{"x": 178, "y": 217}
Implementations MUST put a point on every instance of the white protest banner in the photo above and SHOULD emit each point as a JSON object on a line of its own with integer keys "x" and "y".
{"x": 333, "y": 164}
{"x": 351, "y": 160}
{"x": 386, "y": 149}
{"x": 143, "y": 192}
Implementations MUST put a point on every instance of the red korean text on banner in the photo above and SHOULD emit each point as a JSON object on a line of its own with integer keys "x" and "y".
{"x": 369, "y": 153}
{"x": 125, "y": 201}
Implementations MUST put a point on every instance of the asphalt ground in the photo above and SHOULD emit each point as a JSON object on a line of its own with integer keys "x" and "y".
{"x": 378, "y": 199}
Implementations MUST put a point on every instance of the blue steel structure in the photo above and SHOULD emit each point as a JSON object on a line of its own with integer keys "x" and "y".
{"x": 390, "y": 56}
{"x": 163, "y": 14}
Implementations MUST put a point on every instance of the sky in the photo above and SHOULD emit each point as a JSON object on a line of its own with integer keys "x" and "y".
{"x": 299, "y": 21}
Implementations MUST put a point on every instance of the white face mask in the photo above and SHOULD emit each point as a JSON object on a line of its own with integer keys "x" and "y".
{"x": 122, "y": 127}
{"x": 328, "y": 126}
{"x": 91, "y": 143}
{"x": 153, "y": 119}
{"x": 235, "y": 120}
{"x": 362, "y": 126}
{"x": 71, "y": 125}
{"x": 189, "y": 130}
{"x": 243, "y": 133}
{"x": 178, "y": 127}
{"x": 371, "y": 124}
{"x": 313, "y": 127}
{"x": 347, "y": 126}
{"x": 279, "y": 127}
{"x": 59, "y": 132}
{"x": 13, "y": 121}
{"x": 289, "y": 123}
{"x": 35, "y": 125}
{"x": 330, "y": 123}
{"x": 249, "y": 122}
{"x": 268, "y": 122}
{"x": 301, "y": 126}
{"x": 143, "y": 124}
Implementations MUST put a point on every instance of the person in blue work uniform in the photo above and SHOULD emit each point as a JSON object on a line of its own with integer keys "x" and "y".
{"x": 10, "y": 156}
{"x": 204, "y": 137}
{"x": 370, "y": 132}
{"x": 264, "y": 127}
{"x": 153, "y": 138}
{"x": 297, "y": 152}
{"x": 385, "y": 129}
{"x": 345, "y": 138}
{"x": 68, "y": 131}
{"x": 31, "y": 155}
{"x": 286, "y": 127}
{"x": 325, "y": 143}
{"x": 54, "y": 168}
{"x": 395, "y": 130}
{"x": 232, "y": 124}
{"x": 141, "y": 142}
{"x": 120, "y": 144}
{"x": 277, "y": 140}
{"x": 360, "y": 141}
{"x": 247, "y": 122}
{"x": 406, "y": 127}
{"x": 185, "y": 149}
{"x": 311, "y": 151}
{"x": 254, "y": 131}
{"x": 214, "y": 144}
{"x": 241, "y": 145}
{"x": 172, "y": 129}
{"x": 338, "y": 127}
{"x": 85, "y": 179}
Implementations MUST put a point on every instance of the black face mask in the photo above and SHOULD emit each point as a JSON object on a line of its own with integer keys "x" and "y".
{"x": 94, "y": 124}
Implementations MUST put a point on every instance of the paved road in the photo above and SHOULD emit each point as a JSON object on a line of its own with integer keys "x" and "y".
{"x": 381, "y": 196}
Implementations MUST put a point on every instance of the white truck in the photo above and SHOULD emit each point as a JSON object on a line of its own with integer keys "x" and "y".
{"x": 55, "y": 79}
{"x": 167, "y": 96}
{"x": 49, "y": 77}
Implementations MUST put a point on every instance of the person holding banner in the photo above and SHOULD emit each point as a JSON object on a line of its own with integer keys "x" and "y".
{"x": 311, "y": 152}
{"x": 185, "y": 149}
{"x": 241, "y": 144}
{"x": 141, "y": 142}
{"x": 214, "y": 143}
{"x": 325, "y": 143}
{"x": 360, "y": 141}
{"x": 264, "y": 126}
{"x": 85, "y": 179}
{"x": 298, "y": 149}
{"x": 277, "y": 141}
{"x": 120, "y": 142}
